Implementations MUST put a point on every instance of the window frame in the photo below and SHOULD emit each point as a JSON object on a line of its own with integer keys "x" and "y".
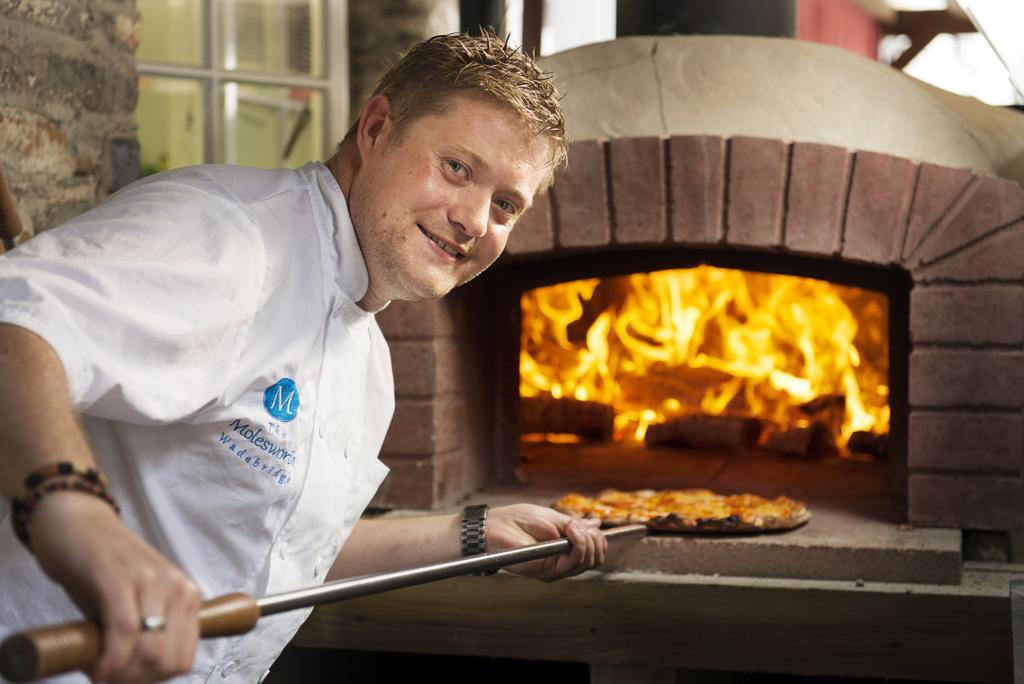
{"x": 333, "y": 85}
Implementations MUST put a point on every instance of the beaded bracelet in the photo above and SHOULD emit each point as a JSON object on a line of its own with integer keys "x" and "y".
{"x": 56, "y": 477}
{"x": 63, "y": 469}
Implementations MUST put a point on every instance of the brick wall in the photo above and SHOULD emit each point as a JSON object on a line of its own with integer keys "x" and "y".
{"x": 959, "y": 236}
{"x": 425, "y": 447}
{"x": 67, "y": 93}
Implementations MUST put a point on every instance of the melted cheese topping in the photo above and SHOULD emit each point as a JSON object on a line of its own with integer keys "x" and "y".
{"x": 689, "y": 507}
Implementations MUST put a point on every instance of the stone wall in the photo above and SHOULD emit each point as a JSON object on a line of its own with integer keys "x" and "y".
{"x": 380, "y": 31}
{"x": 67, "y": 95}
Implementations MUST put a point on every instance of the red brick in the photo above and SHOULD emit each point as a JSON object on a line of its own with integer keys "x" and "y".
{"x": 412, "y": 362}
{"x": 999, "y": 256}
{"x": 449, "y": 358}
{"x": 819, "y": 177}
{"x": 438, "y": 481}
{"x": 638, "y": 189}
{"x": 451, "y": 477}
{"x": 581, "y": 198}
{"x": 413, "y": 320}
{"x": 966, "y": 442}
{"x": 410, "y": 484}
{"x": 535, "y": 231}
{"x": 934, "y": 500}
{"x": 696, "y": 183}
{"x": 993, "y": 503}
{"x": 938, "y": 187}
{"x": 981, "y": 503}
{"x": 988, "y": 204}
{"x": 757, "y": 179}
{"x": 424, "y": 368}
{"x": 459, "y": 474}
{"x": 878, "y": 207}
{"x": 944, "y": 377}
{"x": 980, "y": 314}
{"x": 426, "y": 426}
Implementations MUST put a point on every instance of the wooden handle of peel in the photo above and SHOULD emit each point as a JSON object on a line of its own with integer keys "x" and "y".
{"x": 76, "y": 646}
{"x": 10, "y": 222}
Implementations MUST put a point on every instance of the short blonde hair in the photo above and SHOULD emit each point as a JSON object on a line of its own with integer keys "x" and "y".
{"x": 433, "y": 71}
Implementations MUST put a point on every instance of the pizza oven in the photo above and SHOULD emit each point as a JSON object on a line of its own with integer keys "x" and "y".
{"x": 751, "y": 280}
{"x": 599, "y": 353}
{"x": 891, "y": 381}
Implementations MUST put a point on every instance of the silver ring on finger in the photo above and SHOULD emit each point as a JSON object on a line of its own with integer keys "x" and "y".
{"x": 152, "y": 623}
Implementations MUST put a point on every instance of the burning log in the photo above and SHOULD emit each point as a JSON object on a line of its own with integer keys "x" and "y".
{"x": 588, "y": 419}
{"x": 869, "y": 443}
{"x": 686, "y": 385}
{"x": 812, "y": 441}
{"x": 828, "y": 409}
{"x": 713, "y": 432}
{"x": 826, "y": 402}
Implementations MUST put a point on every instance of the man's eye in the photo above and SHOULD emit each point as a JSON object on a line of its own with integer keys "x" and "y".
{"x": 456, "y": 167}
{"x": 506, "y": 206}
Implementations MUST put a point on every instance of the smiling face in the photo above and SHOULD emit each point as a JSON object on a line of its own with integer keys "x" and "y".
{"x": 433, "y": 205}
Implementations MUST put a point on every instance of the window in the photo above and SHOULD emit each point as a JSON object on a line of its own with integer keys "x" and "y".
{"x": 252, "y": 82}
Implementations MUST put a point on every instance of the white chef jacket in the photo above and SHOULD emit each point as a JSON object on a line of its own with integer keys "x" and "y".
{"x": 233, "y": 392}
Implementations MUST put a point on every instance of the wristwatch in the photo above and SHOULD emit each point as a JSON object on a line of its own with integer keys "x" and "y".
{"x": 473, "y": 530}
{"x": 473, "y": 533}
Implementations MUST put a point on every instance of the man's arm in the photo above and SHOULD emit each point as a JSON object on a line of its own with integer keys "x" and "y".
{"x": 381, "y": 545}
{"x": 78, "y": 539}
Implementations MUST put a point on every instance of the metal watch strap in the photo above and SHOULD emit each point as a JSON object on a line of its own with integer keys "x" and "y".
{"x": 473, "y": 530}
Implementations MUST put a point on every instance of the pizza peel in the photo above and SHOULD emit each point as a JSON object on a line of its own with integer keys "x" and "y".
{"x": 73, "y": 646}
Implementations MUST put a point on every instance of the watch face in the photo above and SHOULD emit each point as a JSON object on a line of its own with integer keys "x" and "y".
{"x": 476, "y": 512}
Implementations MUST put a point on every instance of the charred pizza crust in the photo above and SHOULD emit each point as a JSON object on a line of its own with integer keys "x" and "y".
{"x": 688, "y": 510}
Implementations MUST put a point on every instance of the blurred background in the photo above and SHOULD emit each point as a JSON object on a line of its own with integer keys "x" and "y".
{"x": 276, "y": 82}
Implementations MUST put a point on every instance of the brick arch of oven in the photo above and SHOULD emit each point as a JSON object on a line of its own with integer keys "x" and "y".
{"x": 956, "y": 237}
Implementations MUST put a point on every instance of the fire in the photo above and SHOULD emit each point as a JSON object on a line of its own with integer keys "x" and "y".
{"x": 708, "y": 340}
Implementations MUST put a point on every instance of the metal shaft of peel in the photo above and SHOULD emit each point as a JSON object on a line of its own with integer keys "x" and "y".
{"x": 373, "y": 584}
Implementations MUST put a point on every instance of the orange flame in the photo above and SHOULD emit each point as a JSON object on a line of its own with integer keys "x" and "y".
{"x": 708, "y": 340}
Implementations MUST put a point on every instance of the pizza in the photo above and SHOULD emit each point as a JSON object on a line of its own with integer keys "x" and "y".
{"x": 687, "y": 510}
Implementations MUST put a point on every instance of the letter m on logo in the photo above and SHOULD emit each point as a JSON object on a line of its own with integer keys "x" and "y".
{"x": 282, "y": 399}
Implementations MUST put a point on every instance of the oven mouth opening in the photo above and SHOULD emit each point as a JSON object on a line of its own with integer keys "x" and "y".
{"x": 726, "y": 357}
{"x": 678, "y": 375}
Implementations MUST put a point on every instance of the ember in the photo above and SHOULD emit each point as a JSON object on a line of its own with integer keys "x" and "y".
{"x": 798, "y": 353}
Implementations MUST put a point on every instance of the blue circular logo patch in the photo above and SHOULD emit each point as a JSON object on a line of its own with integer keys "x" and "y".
{"x": 282, "y": 399}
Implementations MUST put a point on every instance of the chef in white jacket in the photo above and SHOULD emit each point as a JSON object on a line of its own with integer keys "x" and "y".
{"x": 196, "y": 391}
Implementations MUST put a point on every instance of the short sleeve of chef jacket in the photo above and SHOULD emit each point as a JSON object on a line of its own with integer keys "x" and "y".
{"x": 147, "y": 298}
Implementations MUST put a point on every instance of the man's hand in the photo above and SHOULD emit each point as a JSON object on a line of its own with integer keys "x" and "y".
{"x": 117, "y": 578}
{"x": 522, "y": 524}
{"x": 78, "y": 539}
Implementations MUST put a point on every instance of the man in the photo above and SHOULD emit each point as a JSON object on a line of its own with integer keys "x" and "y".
{"x": 206, "y": 339}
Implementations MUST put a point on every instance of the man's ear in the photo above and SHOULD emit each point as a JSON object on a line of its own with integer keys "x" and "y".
{"x": 374, "y": 122}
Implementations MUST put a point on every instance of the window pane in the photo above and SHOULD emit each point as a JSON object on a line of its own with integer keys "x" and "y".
{"x": 272, "y": 126}
{"x": 272, "y": 35}
{"x": 170, "y": 118}
{"x": 172, "y": 31}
